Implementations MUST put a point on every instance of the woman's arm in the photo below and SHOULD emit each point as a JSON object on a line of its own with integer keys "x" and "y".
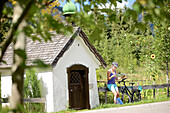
{"x": 108, "y": 74}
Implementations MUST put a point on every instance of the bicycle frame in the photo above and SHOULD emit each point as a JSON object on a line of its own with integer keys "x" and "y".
{"x": 126, "y": 91}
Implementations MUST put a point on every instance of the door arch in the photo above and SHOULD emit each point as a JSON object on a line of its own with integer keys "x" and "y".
{"x": 78, "y": 87}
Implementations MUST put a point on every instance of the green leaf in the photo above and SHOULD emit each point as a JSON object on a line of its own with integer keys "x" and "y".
{"x": 40, "y": 63}
{"x": 35, "y": 37}
{"x": 87, "y": 8}
{"x": 21, "y": 53}
{"x": 137, "y": 7}
{"x": 28, "y": 31}
{"x": 141, "y": 26}
{"x": 96, "y": 34}
{"x": 148, "y": 18}
{"x": 131, "y": 13}
{"x": 113, "y": 2}
{"x": 157, "y": 11}
{"x": 112, "y": 17}
{"x": 3, "y": 61}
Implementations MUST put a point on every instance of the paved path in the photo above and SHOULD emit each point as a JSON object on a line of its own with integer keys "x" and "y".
{"x": 159, "y": 107}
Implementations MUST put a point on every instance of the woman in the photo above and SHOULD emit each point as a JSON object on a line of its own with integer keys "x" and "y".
{"x": 111, "y": 77}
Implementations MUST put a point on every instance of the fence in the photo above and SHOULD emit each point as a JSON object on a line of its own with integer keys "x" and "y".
{"x": 26, "y": 100}
{"x": 105, "y": 89}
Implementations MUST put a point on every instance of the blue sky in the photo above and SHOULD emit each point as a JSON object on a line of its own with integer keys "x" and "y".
{"x": 128, "y": 4}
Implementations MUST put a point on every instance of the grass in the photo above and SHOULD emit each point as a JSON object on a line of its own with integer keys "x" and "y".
{"x": 104, "y": 106}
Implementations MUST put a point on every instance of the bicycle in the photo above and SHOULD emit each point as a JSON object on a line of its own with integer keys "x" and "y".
{"x": 128, "y": 95}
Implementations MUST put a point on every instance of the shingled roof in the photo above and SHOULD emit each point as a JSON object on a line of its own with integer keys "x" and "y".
{"x": 50, "y": 52}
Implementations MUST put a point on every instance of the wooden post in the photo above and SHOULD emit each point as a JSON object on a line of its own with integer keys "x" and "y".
{"x": 105, "y": 96}
{"x": 167, "y": 91}
{"x": 29, "y": 104}
{"x": 154, "y": 90}
{"x": 105, "y": 93}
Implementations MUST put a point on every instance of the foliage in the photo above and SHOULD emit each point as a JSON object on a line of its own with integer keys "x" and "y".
{"x": 52, "y": 10}
{"x": 32, "y": 86}
{"x": 37, "y": 109}
{"x": 5, "y": 20}
{"x": 125, "y": 42}
{"x": 32, "y": 89}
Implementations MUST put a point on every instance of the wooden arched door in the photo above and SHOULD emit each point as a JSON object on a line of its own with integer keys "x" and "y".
{"x": 78, "y": 87}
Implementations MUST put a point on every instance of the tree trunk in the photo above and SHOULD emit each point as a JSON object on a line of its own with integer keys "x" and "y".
{"x": 19, "y": 58}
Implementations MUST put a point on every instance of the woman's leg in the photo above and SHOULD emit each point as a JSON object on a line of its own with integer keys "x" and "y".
{"x": 117, "y": 91}
{"x": 117, "y": 94}
{"x": 114, "y": 93}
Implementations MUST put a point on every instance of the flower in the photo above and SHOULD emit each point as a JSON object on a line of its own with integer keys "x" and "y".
{"x": 13, "y": 2}
{"x": 153, "y": 56}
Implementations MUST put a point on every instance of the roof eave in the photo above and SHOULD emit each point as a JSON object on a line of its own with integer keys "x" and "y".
{"x": 69, "y": 43}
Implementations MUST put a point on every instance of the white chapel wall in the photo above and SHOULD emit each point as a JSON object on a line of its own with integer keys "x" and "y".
{"x": 47, "y": 89}
{"x": 78, "y": 53}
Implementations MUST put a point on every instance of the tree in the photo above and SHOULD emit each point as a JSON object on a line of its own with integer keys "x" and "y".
{"x": 24, "y": 12}
{"x": 51, "y": 9}
{"x": 32, "y": 87}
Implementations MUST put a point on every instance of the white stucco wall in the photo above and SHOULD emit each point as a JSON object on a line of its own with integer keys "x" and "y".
{"x": 47, "y": 89}
{"x": 6, "y": 83}
{"x": 78, "y": 53}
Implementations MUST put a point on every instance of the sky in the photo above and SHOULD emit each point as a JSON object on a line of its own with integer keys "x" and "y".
{"x": 128, "y": 3}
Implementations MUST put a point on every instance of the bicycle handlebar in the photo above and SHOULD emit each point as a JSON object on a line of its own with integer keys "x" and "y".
{"x": 121, "y": 73}
{"x": 123, "y": 80}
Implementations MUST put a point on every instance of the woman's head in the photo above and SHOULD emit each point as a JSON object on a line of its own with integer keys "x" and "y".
{"x": 114, "y": 64}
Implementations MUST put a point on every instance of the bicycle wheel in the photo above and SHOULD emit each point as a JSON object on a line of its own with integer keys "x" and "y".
{"x": 136, "y": 96}
{"x": 139, "y": 95}
{"x": 126, "y": 98}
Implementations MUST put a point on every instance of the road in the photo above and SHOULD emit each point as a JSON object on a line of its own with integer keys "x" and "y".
{"x": 159, "y": 107}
